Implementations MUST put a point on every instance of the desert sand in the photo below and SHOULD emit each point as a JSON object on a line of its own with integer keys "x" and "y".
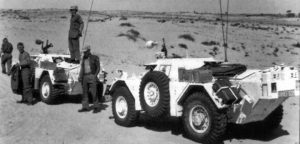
{"x": 119, "y": 37}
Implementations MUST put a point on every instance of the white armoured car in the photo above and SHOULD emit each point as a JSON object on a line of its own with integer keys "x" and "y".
{"x": 54, "y": 76}
{"x": 206, "y": 94}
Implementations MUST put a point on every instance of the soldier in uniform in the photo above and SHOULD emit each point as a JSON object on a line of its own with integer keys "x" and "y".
{"x": 75, "y": 32}
{"x": 90, "y": 68}
{"x": 164, "y": 48}
{"x": 6, "y": 57}
{"x": 24, "y": 63}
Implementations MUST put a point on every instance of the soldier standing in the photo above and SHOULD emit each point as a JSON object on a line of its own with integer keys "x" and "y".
{"x": 164, "y": 48}
{"x": 6, "y": 56}
{"x": 90, "y": 68}
{"x": 24, "y": 62}
{"x": 75, "y": 32}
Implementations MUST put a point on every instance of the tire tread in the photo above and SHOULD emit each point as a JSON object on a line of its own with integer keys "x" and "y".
{"x": 218, "y": 124}
{"x": 131, "y": 118}
{"x": 54, "y": 92}
{"x": 162, "y": 81}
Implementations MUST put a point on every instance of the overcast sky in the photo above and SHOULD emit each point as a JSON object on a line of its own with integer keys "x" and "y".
{"x": 236, "y": 6}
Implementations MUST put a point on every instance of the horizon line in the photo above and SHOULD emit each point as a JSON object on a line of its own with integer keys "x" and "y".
{"x": 195, "y": 12}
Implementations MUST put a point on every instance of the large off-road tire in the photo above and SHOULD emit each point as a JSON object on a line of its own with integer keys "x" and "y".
{"x": 202, "y": 121}
{"x": 154, "y": 93}
{"x": 123, "y": 107}
{"x": 48, "y": 93}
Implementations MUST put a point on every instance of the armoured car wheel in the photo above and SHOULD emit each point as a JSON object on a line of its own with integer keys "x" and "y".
{"x": 123, "y": 107}
{"x": 154, "y": 93}
{"x": 202, "y": 121}
{"x": 48, "y": 93}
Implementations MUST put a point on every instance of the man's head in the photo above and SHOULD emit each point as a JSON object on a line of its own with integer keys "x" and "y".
{"x": 5, "y": 40}
{"x": 20, "y": 46}
{"x": 86, "y": 51}
{"x": 73, "y": 9}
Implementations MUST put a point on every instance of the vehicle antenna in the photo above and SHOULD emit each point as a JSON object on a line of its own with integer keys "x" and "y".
{"x": 227, "y": 21}
{"x": 87, "y": 23}
{"x": 225, "y": 37}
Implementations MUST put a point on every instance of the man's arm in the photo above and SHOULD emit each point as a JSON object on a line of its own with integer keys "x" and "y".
{"x": 81, "y": 28}
{"x": 81, "y": 24}
{"x": 12, "y": 48}
{"x": 97, "y": 65}
{"x": 1, "y": 50}
{"x": 80, "y": 78}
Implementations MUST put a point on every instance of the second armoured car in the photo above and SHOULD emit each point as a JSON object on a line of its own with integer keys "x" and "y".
{"x": 206, "y": 94}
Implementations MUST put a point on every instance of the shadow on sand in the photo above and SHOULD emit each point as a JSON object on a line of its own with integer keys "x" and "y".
{"x": 65, "y": 99}
{"x": 234, "y": 131}
{"x": 161, "y": 125}
{"x": 253, "y": 131}
{"x": 73, "y": 99}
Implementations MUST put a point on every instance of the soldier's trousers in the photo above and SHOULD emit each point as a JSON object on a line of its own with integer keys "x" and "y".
{"x": 89, "y": 84}
{"x": 74, "y": 48}
{"x": 27, "y": 86}
{"x": 6, "y": 60}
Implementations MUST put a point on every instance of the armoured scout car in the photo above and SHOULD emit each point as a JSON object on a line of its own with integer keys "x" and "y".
{"x": 54, "y": 76}
{"x": 205, "y": 94}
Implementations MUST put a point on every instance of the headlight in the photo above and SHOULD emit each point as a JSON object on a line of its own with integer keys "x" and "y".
{"x": 265, "y": 89}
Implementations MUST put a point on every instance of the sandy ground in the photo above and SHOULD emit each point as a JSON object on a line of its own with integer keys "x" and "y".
{"x": 61, "y": 123}
{"x": 258, "y": 45}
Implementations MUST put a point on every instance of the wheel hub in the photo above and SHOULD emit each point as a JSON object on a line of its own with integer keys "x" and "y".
{"x": 45, "y": 90}
{"x": 151, "y": 94}
{"x": 199, "y": 119}
{"x": 121, "y": 107}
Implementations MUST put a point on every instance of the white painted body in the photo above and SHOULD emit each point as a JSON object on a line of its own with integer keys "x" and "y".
{"x": 257, "y": 86}
{"x": 254, "y": 107}
{"x": 72, "y": 87}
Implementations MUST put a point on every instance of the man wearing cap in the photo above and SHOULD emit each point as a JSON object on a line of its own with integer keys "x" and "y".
{"x": 90, "y": 68}
{"x": 6, "y": 57}
{"x": 75, "y": 32}
{"x": 26, "y": 75}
